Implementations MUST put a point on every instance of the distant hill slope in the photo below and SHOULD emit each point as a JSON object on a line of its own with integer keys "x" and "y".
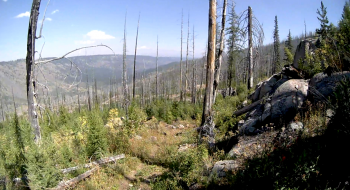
{"x": 100, "y": 67}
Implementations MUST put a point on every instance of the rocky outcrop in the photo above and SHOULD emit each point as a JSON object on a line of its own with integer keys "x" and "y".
{"x": 307, "y": 45}
{"x": 322, "y": 86}
{"x": 269, "y": 86}
{"x": 283, "y": 103}
{"x": 222, "y": 167}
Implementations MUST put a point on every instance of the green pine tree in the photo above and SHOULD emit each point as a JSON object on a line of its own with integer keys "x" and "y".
{"x": 288, "y": 50}
{"x": 276, "y": 44}
{"x": 324, "y": 30}
{"x": 233, "y": 48}
{"x": 96, "y": 142}
{"x": 344, "y": 35}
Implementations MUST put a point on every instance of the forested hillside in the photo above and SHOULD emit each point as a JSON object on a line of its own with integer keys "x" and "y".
{"x": 245, "y": 114}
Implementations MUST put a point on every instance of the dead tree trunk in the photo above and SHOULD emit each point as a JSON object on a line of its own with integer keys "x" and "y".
{"x": 194, "y": 84}
{"x": 250, "y": 51}
{"x": 78, "y": 98}
{"x": 181, "y": 86}
{"x": 125, "y": 87}
{"x": 207, "y": 124}
{"x": 30, "y": 64}
{"x": 96, "y": 95}
{"x": 218, "y": 63}
{"x": 88, "y": 93}
{"x": 2, "y": 112}
{"x": 134, "y": 75}
{"x": 157, "y": 71}
{"x": 186, "y": 72}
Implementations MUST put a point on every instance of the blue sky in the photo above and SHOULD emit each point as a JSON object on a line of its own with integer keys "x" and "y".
{"x": 76, "y": 23}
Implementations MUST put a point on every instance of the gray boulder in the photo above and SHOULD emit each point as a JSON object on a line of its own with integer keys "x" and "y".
{"x": 322, "y": 86}
{"x": 222, "y": 167}
{"x": 284, "y": 103}
{"x": 307, "y": 45}
{"x": 288, "y": 98}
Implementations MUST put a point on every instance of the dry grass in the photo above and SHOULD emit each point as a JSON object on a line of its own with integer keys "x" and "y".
{"x": 150, "y": 147}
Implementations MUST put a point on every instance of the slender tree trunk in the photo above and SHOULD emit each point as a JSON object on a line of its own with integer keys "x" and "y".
{"x": 250, "y": 51}
{"x": 78, "y": 98}
{"x": 30, "y": 65}
{"x": 88, "y": 94}
{"x": 194, "y": 84}
{"x": 157, "y": 71}
{"x": 218, "y": 65}
{"x": 186, "y": 73}
{"x": 208, "y": 97}
{"x": 142, "y": 92}
{"x": 2, "y": 112}
{"x": 181, "y": 86}
{"x": 125, "y": 87}
{"x": 134, "y": 75}
{"x": 96, "y": 95}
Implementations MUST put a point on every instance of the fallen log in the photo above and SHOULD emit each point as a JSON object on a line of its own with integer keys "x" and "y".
{"x": 247, "y": 108}
{"x": 97, "y": 162}
{"x": 72, "y": 182}
{"x": 67, "y": 184}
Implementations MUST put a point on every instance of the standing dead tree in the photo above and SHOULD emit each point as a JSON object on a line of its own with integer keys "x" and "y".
{"x": 181, "y": 86}
{"x": 134, "y": 75}
{"x": 186, "y": 72}
{"x": 250, "y": 33}
{"x": 194, "y": 84}
{"x": 221, "y": 49}
{"x": 125, "y": 85}
{"x": 30, "y": 64}
{"x": 32, "y": 67}
{"x": 207, "y": 124}
{"x": 157, "y": 71}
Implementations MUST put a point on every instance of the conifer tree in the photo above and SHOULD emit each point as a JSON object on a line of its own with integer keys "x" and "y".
{"x": 276, "y": 45}
{"x": 233, "y": 48}
{"x": 323, "y": 31}
{"x": 288, "y": 50}
{"x": 344, "y": 35}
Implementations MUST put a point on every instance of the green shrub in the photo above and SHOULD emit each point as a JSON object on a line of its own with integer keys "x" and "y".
{"x": 96, "y": 140}
{"x": 41, "y": 165}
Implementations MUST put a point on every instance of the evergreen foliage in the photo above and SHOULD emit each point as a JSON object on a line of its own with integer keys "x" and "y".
{"x": 324, "y": 30}
{"x": 288, "y": 50}
{"x": 276, "y": 47}
{"x": 96, "y": 141}
{"x": 233, "y": 48}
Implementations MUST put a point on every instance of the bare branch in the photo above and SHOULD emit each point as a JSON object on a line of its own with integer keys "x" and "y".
{"x": 58, "y": 58}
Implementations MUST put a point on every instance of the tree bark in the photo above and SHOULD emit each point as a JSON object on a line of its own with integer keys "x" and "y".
{"x": 181, "y": 86}
{"x": 186, "y": 72}
{"x": 30, "y": 65}
{"x": 222, "y": 38}
{"x": 194, "y": 84}
{"x": 125, "y": 86}
{"x": 208, "y": 97}
{"x": 250, "y": 51}
{"x": 134, "y": 75}
{"x": 157, "y": 71}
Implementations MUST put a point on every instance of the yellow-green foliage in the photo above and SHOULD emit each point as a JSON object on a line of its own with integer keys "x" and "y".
{"x": 96, "y": 139}
{"x": 224, "y": 108}
{"x": 311, "y": 64}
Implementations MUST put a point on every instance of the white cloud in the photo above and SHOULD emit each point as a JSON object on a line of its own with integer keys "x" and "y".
{"x": 26, "y": 14}
{"x": 41, "y": 20}
{"x": 99, "y": 35}
{"x": 4, "y": 0}
{"x": 143, "y": 47}
{"x": 85, "y": 42}
{"x": 55, "y": 11}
